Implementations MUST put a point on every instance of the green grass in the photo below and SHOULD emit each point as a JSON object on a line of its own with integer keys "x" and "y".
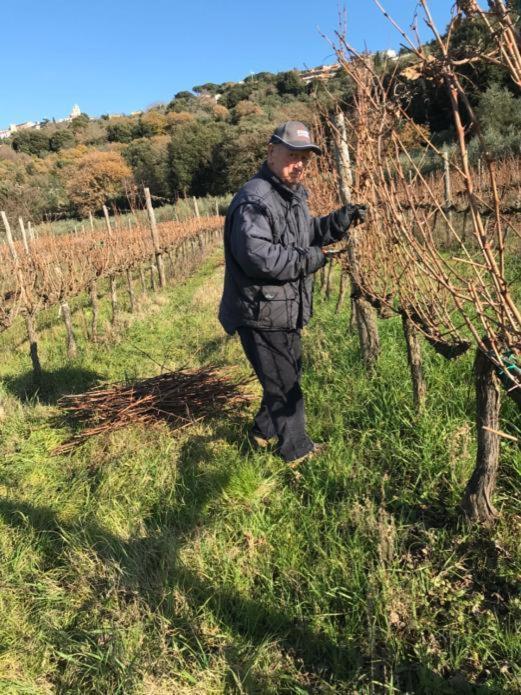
{"x": 147, "y": 562}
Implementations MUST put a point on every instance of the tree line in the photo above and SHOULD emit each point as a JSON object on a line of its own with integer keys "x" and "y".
{"x": 208, "y": 141}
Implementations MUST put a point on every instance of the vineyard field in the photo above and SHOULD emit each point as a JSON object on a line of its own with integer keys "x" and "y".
{"x": 150, "y": 563}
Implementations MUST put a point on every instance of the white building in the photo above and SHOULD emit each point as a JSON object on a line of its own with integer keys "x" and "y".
{"x": 322, "y": 72}
{"x": 14, "y": 127}
{"x": 30, "y": 125}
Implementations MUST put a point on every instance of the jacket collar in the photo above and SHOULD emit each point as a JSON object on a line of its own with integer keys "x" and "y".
{"x": 289, "y": 193}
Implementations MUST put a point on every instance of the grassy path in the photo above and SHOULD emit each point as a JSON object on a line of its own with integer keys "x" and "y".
{"x": 147, "y": 563}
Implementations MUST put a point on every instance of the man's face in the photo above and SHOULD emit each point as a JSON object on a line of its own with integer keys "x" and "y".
{"x": 289, "y": 165}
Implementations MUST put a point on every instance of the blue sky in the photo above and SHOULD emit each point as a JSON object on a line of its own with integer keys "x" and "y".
{"x": 117, "y": 56}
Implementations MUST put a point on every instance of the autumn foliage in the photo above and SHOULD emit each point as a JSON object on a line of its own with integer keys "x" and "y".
{"x": 96, "y": 178}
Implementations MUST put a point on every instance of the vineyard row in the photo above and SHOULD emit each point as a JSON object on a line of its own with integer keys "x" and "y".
{"x": 47, "y": 271}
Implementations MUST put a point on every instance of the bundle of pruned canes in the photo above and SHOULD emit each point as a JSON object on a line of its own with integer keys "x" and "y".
{"x": 180, "y": 398}
{"x": 449, "y": 284}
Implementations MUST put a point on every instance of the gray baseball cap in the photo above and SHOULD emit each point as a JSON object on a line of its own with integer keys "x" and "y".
{"x": 295, "y": 136}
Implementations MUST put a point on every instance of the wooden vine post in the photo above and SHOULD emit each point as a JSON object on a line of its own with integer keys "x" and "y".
{"x": 65, "y": 312}
{"x": 131, "y": 293}
{"x": 24, "y": 236}
{"x": 94, "y": 302}
{"x": 155, "y": 239}
{"x": 345, "y": 174}
{"x": 341, "y": 291}
{"x": 477, "y": 499}
{"x": 364, "y": 312}
{"x": 143, "y": 279}
{"x": 67, "y": 319}
{"x": 448, "y": 192}
{"x": 112, "y": 277}
{"x": 414, "y": 358}
{"x": 28, "y": 312}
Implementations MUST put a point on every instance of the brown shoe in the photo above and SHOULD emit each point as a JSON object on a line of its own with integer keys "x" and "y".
{"x": 315, "y": 451}
{"x": 259, "y": 442}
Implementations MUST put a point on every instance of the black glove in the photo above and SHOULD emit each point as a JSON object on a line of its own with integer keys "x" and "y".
{"x": 349, "y": 214}
{"x": 359, "y": 214}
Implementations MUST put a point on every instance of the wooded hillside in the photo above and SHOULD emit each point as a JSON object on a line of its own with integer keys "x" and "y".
{"x": 211, "y": 139}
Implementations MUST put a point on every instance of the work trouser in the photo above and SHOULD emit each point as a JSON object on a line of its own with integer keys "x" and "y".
{"x": 276, "y": 359}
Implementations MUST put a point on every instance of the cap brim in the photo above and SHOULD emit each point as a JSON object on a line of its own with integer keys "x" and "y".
{"x": 275, "y": 139}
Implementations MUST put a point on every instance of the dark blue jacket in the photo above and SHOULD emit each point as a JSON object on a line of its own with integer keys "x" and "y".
{"x": 272, "y": 248}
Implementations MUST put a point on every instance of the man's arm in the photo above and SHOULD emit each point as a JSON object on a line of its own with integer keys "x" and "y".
{"x": 251, "y": 243}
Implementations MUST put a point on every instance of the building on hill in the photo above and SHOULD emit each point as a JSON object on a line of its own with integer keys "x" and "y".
{"x": 31, "y": 125}
{"x": 75, "y": 112}
{"x": 15, "y": 127}
{"x": 322, "y": 72}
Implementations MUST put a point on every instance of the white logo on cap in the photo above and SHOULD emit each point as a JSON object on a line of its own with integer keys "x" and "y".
{"x": 302, "y": 134}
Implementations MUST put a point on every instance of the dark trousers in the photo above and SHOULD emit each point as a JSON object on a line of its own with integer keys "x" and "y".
{"x": 276, "y": 358}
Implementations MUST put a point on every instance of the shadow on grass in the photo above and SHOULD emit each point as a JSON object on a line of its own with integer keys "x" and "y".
{"x": 52, "y": 384}
{"x": 435, "y": 514}
{"x": 148, "y": 565}
{"x": 482, "y": 555}
{"x": 151, "y": 569}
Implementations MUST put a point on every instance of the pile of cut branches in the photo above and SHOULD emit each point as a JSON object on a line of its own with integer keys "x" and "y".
{"x": 179, "y": 398}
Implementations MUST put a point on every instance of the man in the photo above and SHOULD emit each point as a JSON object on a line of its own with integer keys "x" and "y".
{"x": 272, "y": 248}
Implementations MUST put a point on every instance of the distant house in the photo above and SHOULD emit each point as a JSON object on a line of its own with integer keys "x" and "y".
{"x": 31, "y": 125}
{"x": 15, "y": 127}
{"x": 322, "y": 72}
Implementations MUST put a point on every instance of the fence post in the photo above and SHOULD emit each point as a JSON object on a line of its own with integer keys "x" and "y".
{"x": 414, "y": 357}
{"x": 155, "y": 239}
{"x": 67, "y": 319}
{"x": 142, "y": 278}
{"x": 196, "y": 207}
{"x": 9, "y": 236}
{"x": 365, "y": 314}
{"x": 448, "y": 190}
{"x": 24, "y": 235}
{"x": 107, "y": 220}
{"x": 446, "y": 178}
{"x": 95, "y": 310}
{"x": 131, "y": 294}
{"x": 27, "y": 313}
{"x": 112, "y": 278}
